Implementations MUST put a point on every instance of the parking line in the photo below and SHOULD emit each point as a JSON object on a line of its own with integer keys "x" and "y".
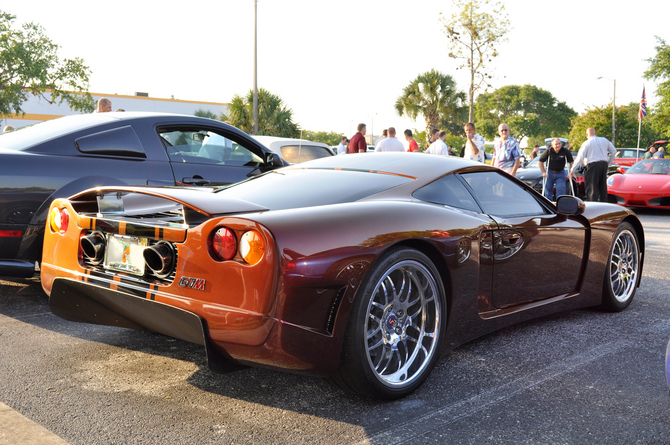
{"x": 16, "y": 429}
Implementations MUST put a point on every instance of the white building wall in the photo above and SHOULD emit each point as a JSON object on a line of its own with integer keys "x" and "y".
{"x": 37, "y": 109}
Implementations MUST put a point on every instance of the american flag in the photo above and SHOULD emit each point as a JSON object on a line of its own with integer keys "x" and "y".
{"x": 643, "y": 105}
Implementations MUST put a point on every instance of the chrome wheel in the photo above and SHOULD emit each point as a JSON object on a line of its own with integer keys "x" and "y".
{"x": 403, "y": 324}
{"x": 623, "y": 266}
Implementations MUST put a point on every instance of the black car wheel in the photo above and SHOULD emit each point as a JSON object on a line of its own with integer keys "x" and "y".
{"x": 622, "y": 270}
{"x": 396, "y": 327}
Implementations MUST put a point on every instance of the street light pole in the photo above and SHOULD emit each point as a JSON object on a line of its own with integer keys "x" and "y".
{"x": 613, "y": 109}
{"x": 255, "y": 67}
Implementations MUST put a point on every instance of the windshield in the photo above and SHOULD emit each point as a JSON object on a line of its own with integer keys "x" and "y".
{"x": 650, "y": 166}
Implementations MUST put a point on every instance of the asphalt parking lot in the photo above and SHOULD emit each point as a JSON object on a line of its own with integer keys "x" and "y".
{"x": 578, "y": 377}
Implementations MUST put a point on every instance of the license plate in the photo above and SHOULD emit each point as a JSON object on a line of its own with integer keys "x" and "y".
{"x": 125, "y": 254}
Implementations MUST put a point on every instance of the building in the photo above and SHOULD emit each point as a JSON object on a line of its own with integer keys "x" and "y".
{"x": 38, "y": 109}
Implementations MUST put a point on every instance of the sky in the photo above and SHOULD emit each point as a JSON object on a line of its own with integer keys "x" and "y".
{"x": 339, "y": 63}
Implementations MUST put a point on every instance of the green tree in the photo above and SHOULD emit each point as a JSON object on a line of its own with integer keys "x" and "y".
{"x": 528, "y": 110}
{"x": 29, "y": 65}
{"x": 600, "y": 119}
{"x": 274, "y": 118}
{"x": 327, "y": 137}
{"x": 659, "y": 71}
{"x": 434, "y": 96}
{"x": 473, "y": 35}
{"x": 206, "y": 114}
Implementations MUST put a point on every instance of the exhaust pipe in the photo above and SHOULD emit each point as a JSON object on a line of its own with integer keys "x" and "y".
{"x": 93, "y": 247}
{"x": 160, "y": 258}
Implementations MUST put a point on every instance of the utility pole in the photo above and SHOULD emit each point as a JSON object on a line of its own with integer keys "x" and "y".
{"x": 255, "y": 67}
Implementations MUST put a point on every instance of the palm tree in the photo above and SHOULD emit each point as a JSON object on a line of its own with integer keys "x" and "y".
{"x": 274, "y": 118}
{"x": 435, "y": 97}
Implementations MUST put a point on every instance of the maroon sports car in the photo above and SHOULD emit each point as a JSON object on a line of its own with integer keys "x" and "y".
{"x": 363, "y": 268}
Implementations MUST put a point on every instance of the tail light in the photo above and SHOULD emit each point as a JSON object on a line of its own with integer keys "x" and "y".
{"x": 252, "y": 247}
{"x": 224, "y": 244}
{"x": 59, "y": 219}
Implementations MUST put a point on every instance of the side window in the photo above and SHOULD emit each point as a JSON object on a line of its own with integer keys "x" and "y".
{"x": 448, "y": 190}
{"x": 303, "y": 153}
{"x": 500, "y": 196}
{"x": 205, "y": 147}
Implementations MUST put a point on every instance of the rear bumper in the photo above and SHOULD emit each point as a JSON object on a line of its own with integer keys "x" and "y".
{"x": 17, "y": 268}
{"x": 86, "y": 303}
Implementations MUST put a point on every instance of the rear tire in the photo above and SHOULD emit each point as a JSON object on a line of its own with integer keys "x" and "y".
{"x": 621, "y": 273}
{"x": 395, "y": 330}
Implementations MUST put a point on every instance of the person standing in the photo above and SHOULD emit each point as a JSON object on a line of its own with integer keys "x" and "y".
{"x": 506, "y": 152}
{"x": 659, "y": 154}
{"x": 342, "y": 148}
{"x": 556, "y": 174}
{"x": 535, "y": 152}
{"x": 104, "y": 105}
{"x": 413, "y": 145}
{"x": 357, "y": 143}
{"x": 650, "y": 153}
{"x": 389, "y": 143}
{"x": 439, "y": 147}
{"x": 433, "y": 137}
{"x": 597, "y": 153}
{"x": 474, "y": 144}
{"x": 385, "y": 134}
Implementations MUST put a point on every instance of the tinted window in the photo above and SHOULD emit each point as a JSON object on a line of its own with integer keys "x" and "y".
{"x": 303, "y": 153}
{"x": 198, "y": 146}
{"x": 118, "y": 141}
{"x": 500, "y": 196}
{"x": 448, "y": 190}
{"x": 288, "y": 188}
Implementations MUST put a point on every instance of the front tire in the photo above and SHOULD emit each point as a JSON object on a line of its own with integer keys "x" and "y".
{"x": 621, "y": 273}
{"x": 396, "y": 326}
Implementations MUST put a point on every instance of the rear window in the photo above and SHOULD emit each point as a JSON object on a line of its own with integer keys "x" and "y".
{"x": 289, "y": 188}
{"x": 303, "y": 153}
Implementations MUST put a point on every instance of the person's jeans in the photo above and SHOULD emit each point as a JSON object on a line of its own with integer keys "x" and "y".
{"x": 558, "y": 179}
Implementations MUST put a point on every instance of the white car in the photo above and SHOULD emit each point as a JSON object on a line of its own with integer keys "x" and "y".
{"x": 295, "y": 151}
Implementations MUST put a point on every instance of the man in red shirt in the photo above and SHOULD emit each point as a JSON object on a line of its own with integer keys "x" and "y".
{"x": 413, "y": 145}
{"x": 357, "y": 143}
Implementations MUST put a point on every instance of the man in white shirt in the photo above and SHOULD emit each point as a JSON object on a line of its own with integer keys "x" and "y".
{"x": 389, "y": 143}
{"x": 439, "y": 147}
{"x": 474, "y": 144}
{"x": 597, "y": 153}
{"x": 342, "y": 148}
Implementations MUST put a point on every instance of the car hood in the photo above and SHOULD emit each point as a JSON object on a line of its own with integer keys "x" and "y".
{"x": 642, "y": 182}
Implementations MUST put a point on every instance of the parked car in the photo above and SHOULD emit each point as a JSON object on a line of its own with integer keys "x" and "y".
{"x": 295, "y": 151}
{"x": 60, "y": 157}
{"x": 645, "y": 184}
{"x": 269, "y": 271}
{"x": 628, "y": 156}
{"x": 532, "y": 175}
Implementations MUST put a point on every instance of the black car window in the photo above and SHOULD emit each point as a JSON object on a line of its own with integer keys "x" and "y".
{"x": 200, "y": 146}
{"x": 500, "y": 196}
{"x": 303, "y": 153}
{"x": 448, "y": 190}
{"x": 122, "y": 141}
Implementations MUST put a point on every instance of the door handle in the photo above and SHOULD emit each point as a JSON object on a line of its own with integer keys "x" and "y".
{"x": 195, "y": 181}
{"x": 512, "y": 239}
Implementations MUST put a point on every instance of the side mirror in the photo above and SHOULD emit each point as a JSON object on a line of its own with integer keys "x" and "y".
{"x": 269, "y": 159}
{"x": 569, "y": 205}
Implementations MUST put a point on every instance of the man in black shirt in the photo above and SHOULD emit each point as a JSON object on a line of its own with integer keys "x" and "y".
{"x": 557, "y": 155}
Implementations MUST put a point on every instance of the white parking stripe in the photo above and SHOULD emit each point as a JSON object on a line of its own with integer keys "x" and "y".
{"x": 16, "y": 429}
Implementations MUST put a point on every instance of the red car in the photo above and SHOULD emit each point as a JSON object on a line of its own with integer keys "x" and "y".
{"x": 646, "y": 184}
{"x": 364, "y": 268}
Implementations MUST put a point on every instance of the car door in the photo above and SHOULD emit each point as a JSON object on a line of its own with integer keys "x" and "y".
{"x": 210, "y": 156}
{"x": 537, "y": 253}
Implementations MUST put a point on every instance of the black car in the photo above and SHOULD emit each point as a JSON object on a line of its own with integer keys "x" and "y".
{"x": 61, "y": 157}
{"x": 532, "y": 175}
